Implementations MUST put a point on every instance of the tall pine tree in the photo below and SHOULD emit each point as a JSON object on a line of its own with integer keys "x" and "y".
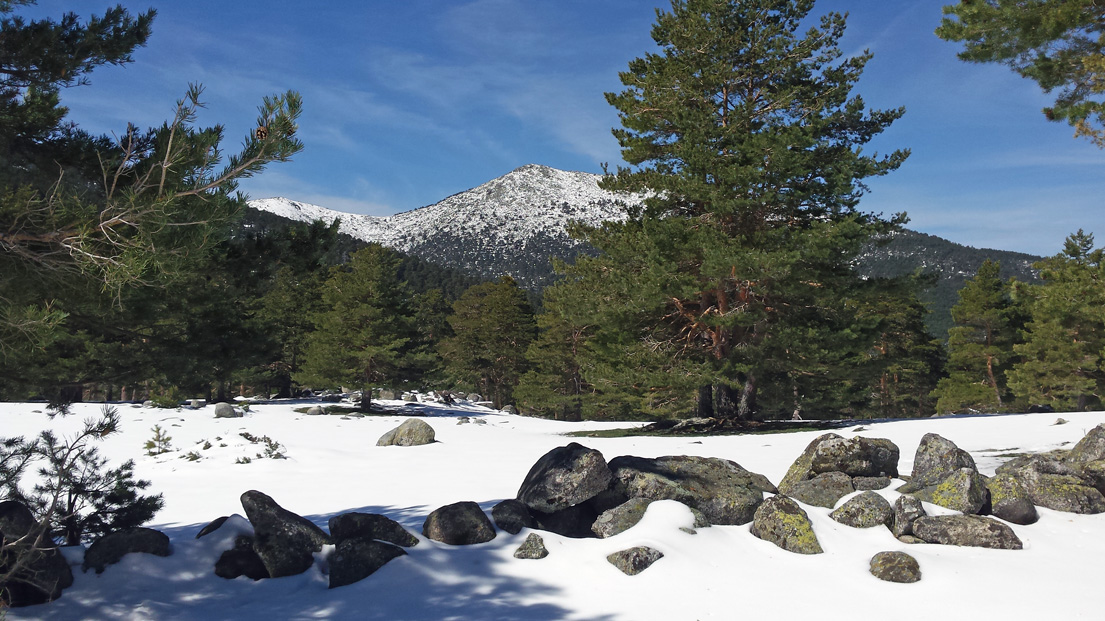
{"x": 364, "y": 335}
{"x": 1062, "y": 358}
{"x": 746, "y": 139}
{"x": 980, "y": 346}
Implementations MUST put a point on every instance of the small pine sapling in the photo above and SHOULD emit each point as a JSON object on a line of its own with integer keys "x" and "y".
{"x": 159, "y": 443}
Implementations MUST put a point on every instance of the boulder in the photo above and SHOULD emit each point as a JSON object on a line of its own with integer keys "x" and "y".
{"x": 532, "y": 548}
{"x": 225, "y": 410}
{"x": 459, "y": 524}
{"x": 722, "y": 490}
{"x": 621, "y": 518}
{"x": 823, "y": 490}
{"x": 1091, "y": 447}
{"x": 1093, "y": 474}
{"x": 963, "y": 490}
{"x": 936, "y": 458}
{"x": 634, "y": 560}
{"x": 386, "y": 394}
{"x": 112, "y": 547}
{"x": 781, "y": 521}
{"x": 241, "y": 560}
{"x": 966, "y": 530}
{"x": 474, "y": 397}
{"x": 316, "y": 410}
{"x": 1056, "y": 484}
{"x": 574, "y": 522}
{"x": 512, "y": 516}
{"x": 285, "y": 541}
{"x": 212, "y": 526}
{"x": 43, "y": 578}
{"x": 509, "y": 409}
{"x": 1010, "y": 501}
{"x": 895, "y": 567}
{"x": 413, "y": 432}
{"x": 866, "y": 510}
{"x": 356, "y": 559}
{"x": 906, "y": 511}
{"x": 370, "y": 526}
{"x": 856, "y": 457}
{"x": 564, "y": 477}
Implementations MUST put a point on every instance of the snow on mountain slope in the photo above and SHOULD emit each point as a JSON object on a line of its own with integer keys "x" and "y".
{"x": 489, "y": 230}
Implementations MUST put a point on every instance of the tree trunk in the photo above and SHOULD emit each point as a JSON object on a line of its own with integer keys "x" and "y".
{"x": 366, "y": 399}
{"x": 746, "y": 407}
{"x": 993, "y": 380}
{"x": 705, "y": 401}
{"x": 725, "y": 405}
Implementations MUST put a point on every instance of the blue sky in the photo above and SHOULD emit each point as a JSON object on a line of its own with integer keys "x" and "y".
{"x": 409, "y": 101}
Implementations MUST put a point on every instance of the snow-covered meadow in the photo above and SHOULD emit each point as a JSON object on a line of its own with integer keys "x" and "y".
{"x": 333, "y": 466}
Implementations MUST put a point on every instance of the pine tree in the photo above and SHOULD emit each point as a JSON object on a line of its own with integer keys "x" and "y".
{"x": 980, "y": 346}
{"x": 1058, "y": 43}
{"x": 1062, "y": 358}
{"x": 746, "y": 141}
{"x": 492, "y": 325}
{"x": 364, "y": 334}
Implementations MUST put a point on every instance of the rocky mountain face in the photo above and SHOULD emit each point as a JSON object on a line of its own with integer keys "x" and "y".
{"x": 515, "y": 224}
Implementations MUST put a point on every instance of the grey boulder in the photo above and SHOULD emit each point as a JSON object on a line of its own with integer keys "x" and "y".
{"x": 823, "y": 490}
{"x": 895, "y": 567}
{"x": 412, "y": 432}
{"x": 459, "y": 524}
{"x": 634, "y": 560}
{"x": 112, "y": 547}
{"x": 564, "y": 477}
{"x": 966, "y": 530}
{"x": 781, "y": 521}
{"x": 285, "y": 541}
{"x": 866, "y": 510}
{"x": 370, "y": 526}
{"x": 356, "y": 559}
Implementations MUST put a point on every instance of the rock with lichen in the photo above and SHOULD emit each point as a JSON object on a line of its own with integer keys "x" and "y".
{"x": 781, "y": 521}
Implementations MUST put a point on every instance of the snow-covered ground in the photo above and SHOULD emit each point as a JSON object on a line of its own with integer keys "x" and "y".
{"x": 333, "y": 465}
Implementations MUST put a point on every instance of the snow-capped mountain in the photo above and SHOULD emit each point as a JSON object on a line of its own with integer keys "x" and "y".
{"x": 510, "y": 225}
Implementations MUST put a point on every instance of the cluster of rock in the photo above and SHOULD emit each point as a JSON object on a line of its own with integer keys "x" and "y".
{"x": 36, "y": 572}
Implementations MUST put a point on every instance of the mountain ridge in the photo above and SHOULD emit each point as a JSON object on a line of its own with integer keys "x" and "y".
{"x": 513, "y": 224}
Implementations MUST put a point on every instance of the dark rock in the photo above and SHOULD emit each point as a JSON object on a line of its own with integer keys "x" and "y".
{"x": 370, "y": 526}
{"x": 824, "y": 490}
{"x": 936, "y": 458}
{"x": 866, "y": 510}
{"x": 966, "y": 530}
{"x": 44, "y": 574}
{"x": 242, "y": 560}
{"x": 963, "y": 490}
{"x": 285, "y": 541}
{"x": 620, "y": 518}
{"x": 722, "y": 490}
{"x": 1010, "y": 501}
{"x": 895, "y": 567}
{"x": 413, "y": 432}
{"x": 532, "y": 548}
{"x": 459, "y": 524}
{"x": 781, "y": 521}
{"x": 863, "y": 484}
{"x": 225, "y": 410}
{"x": 356, "y": 559}
{"x": 212, "y": 526}
{"x": 906, "y": 511}
{"x": 574, "y": 522}
{"x": 512, "y": 516}
{"x": 856, "y": 457}
{"x": 112, "y": 547}
{"x": 563, "y": 477}
{"x": 1091, "y": 447}
{"x": 634, "y": 560}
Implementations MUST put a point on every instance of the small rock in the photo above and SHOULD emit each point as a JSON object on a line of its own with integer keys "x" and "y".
{"x": 1010, "y": 501}
{"x": 634, "y": 560}
{"x": 895, "y": 567}
{"x": 532, "y": 548}
{"x": 509, "y": 409}
{"x": 870, "y": 483}
{"x": 1060, "y": 421}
